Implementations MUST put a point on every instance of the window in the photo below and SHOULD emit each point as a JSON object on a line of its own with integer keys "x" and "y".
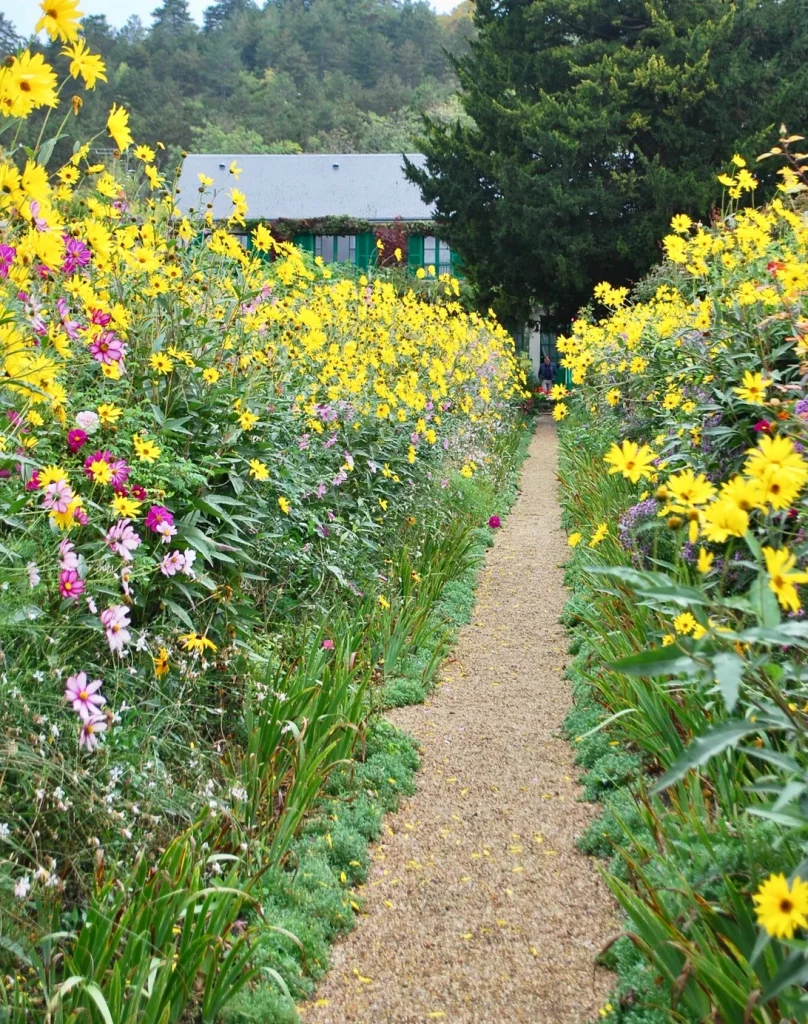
{"x": 335, "y": 248}
{"x": 430, "y": 250}
{"x": 437, "y": 254}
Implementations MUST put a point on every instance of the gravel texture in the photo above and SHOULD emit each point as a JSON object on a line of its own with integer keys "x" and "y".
{"x": 478, "y": 908}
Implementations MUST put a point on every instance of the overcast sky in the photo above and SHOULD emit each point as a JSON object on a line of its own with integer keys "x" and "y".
{"x": 25, "y": 13}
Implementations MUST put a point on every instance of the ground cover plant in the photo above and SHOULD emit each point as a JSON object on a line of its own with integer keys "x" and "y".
{"x": 684, "y": 471}
{"x": 233, "y": 489}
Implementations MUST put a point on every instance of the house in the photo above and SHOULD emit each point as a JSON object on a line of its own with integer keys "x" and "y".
{"x": 334, "y": 205}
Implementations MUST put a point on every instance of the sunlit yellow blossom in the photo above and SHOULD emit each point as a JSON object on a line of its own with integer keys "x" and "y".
{"x": 705, "y": 561}
{"x": 259, "y": 470}
{"x": 247, "y": 420}
{"x": 89, "y": 65}
{"x": 781, "y": 908}
{"x": 146, "y": 450}
{"x": 109, "y": 414}
{"x": 60, "y": 19}
{"x": 284, "y": 505}
{"x": 196, "y": 643}
{"x": 574, "y": 539}
{"x": 118, "y": 127}
{"x": 685, "y": 623}
{"x": 754, "y": 388}
{"x": 632, "y": 460}
{"x": 600, "y": 534}
{"x": 126, "y": 508}
{"x": 783, "y": 579}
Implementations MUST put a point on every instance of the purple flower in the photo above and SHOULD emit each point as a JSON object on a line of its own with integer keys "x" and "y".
{"x": 71, "y": 326}
{"x": 100, "y": 318}
{"x": 331, "y": 441}
{"x": 71, "y": 586}
{"x": 76, "y": 439}
{"x": 157, "y": 515}
{"x": 120, "y": 473}
{"x": 89, "y": 731}
{"x": 84, "y": 697}
{"x": 107, "y": 348}
{"x": 7, "y": 254}
{"x": 801, "y": 409}
{"x": 76, "y": 254}
{"x": 172, "y": 563}
{"x": 495, "y": 522}
{"x": 122, "y": 539}
{"x": 303, "y": 442}
{"x": 115, "y": 619}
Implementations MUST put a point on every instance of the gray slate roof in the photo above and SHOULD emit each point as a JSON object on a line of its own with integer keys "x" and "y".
{"x": 368, "y": 186}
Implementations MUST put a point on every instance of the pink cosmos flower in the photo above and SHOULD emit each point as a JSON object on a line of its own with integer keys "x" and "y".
{"x": 33, "y": 483}
{"x": 90, "y": 730}
{"x": 70, "y": 584}
{"x": 173, "y": 563}
{"x": 58, "y": 496}
{"x": 122, "y": 539}
{"x": 115, "y": 619}
{"x": 126, "y": 575}
{"x": 107, "y": 348}
{"x": 81, "y": 516}
{"x": 166, "y": 531}
{"x": 328, "y": 645}
{"x": 120, "y": 473}
{"x": 495, "y": 522}
{"x": 189, "y": 555}
{"x": 76, "y": 439}
{"x": 156, "y": 515}
{"x": 33, "y": 575}
{"x": 7, "y": 254}
{"x": 84, "y": 697}
{"x": 100, "y": 318}
{"x": 68, "y": 559}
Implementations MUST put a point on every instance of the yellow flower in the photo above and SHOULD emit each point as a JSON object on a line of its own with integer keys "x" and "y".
{"x": 613, "y": 396}
{"x": 147, "y": 451}
{"x": 147, "y": 155}
{"x": 724, "y": 519}
{"x": 780, "y": 565}
{"x": 600, "y": 534}
{"x": 161, "y": 663}
{"x": 466, "y": 471}
{"x": 108, "y": 414}
{"x": 101, "y": 471}
{"x": 27, "y": 83}
{"x": 574, "y": 539}
{"x": 754, "y": 388}
{"x": 259, "y": 470}
{"x": 210, "y": 375}
{"x": 118, "y": 127}
{"x": 247, "y": 420}
{"x": 51, "y": 474}
{"x": 160, "y": 362}
{"x": 411, "y": 454}
{"x": 681, "y": 223}
{"x": 559, "y": 411}
{"x": 633, "y": 461}
{"x": 60, "y": 19}
{"x": 235, "y": 170}
{"x": 125, "y": 508}
{"x": 668, "y": 639}
{"x": 384, "y": 602}
{"x": 284, "y": 504}
{"x": 89, "y": 65}
{"x": 196, "y": 642}
{"x": 781, "y": 470}
{"x": 705, "y": 561}
{"x": 781, "y": 909}
{"x": 685, "y": 623}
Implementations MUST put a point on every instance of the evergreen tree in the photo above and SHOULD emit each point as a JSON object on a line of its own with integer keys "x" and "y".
{"x": 596, "y": 120}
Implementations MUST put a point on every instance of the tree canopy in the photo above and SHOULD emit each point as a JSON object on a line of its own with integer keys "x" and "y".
{"x": 591, "y": 122}
{"x": 288, "y": 75}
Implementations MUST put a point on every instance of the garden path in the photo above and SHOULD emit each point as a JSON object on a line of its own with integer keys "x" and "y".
{"x": 478, "y": 908}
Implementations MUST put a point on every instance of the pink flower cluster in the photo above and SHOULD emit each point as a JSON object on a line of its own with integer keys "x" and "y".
{"x": 122, "y": 539}
{"x": 160, "y": 520}
{"x": 179, "y": 561}
{"x": 86, "y": 700}
{"x": 71, "y": 585}
{"x": 118, "y": 467}
{"x": 115, "y": 619}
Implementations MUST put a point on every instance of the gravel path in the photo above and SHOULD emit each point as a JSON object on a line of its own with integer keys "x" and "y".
{"x": 478, "y": 907}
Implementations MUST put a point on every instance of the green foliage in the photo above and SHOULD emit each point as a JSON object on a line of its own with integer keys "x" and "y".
{"x": 326, "y": 76}
{"x": 593, "y": 121}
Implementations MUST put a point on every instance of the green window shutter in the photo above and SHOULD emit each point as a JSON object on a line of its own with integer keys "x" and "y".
{"x": 415, "y": 251}
{"x": 457, "y": 263}
{"x": 365, "y": 244}
{"x": 305, "y": 242}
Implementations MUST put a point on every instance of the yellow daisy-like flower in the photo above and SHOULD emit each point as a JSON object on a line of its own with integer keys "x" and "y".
{"x": 753, "y": 389}
{"x": 782, "y": 908}
{"x": 160, "y": 362}
{"x": 600, "y": 534}
{"x": 146, "y": 450}
{"x": 574, "y": 539}
{"x": 26, "y": 84}
{"x": 210, "y": 375}
{"x": 89, "y": 65}
{"x": 108, "y": 414}
{"x": 632, "y": 460}
{"x": 259, "y": 470}
{"x": 560, "y": 410}
{"x": 681, "y": 223}
{"x": 685, "y": 623}
{"x": 60, "y": 19}
{"x": 161, "y": 663}
{"x": 50, "y": 474}
{"x": 780, "y": 565}
{"x": 247, "y": 420}
{"x": 118, "y": 127}
{"x": 125, "y": 508}
{"x": 384, "y": 602}
{"x": 197, "y": 643}
{"x": 284, "y": 504}
{"x": 705, "y": 561}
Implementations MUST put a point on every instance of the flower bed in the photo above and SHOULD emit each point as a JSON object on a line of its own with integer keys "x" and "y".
{"x": 231, "y": 492}
{"x": 684, "y": 476}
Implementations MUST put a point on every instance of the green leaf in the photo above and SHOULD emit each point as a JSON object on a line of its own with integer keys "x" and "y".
{"x": 659, "y": 661}
{"x": 793, "y": 971}
{"x": 728, "y": 668}
{"x": 704, "y": 748}
{"x": 180, "y": 612}
{"x": 46, "y": 150}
